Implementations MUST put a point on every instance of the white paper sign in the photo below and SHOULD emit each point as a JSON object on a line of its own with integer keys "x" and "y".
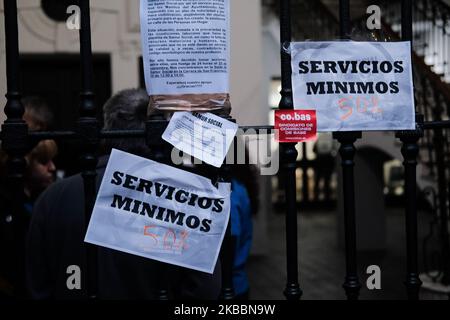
{"x": 354, "y": 85}
{"x": 159, "y": 212}
{"x": 203, "y": 135}
{"x": 185, "y": 46}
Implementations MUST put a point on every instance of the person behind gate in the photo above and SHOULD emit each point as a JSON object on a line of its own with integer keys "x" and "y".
{"x": 14, "y": 220}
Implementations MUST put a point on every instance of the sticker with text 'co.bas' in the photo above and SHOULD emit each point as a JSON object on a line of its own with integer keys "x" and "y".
{"x": 354, "y": 86}
{"x": 295, "y": 125}
{"x": 159, "y": 212}
{"x": 204, "y": 136}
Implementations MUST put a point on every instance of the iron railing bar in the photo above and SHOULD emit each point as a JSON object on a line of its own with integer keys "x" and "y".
{"x": 344, "y": 19}
{"x": 122, "y": 134}
{"x": 45, "y": 135}
{"x": 87, "y": 127}
{"x": 257, "y": 128}
{"x": 288, "y": 159}
{"x": 131, "y": 133}
{"x": 347, "y": 152}
{"x": 42, "y": 135}
{"x": 443, "y": 208}
{"x": 410, "y": 151}
{"x": 14, "y": 143}
{"x": 436, "y": 124}
{"x": 227, "y": 251}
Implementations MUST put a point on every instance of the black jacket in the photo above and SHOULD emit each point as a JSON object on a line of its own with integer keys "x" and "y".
{"x": 56, "y": 241}
{"x": 15, "y": 215}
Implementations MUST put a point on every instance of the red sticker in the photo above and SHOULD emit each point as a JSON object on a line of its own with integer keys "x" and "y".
{"x": 295, "y": 125}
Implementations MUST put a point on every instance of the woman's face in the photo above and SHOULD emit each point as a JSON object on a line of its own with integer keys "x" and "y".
{"x": 41, "y": 168}
{"x": 42, "y": 173}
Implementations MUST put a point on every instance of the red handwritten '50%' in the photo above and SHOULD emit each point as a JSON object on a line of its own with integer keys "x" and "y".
{"x": 360, "y": 104}
{"x": 170, "y": 240}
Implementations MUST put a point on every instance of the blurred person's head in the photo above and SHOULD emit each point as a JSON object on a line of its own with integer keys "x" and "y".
{"x": 126, "y": 110}
{"x": 37, "y": 114}
{"x": 40, "y": 172}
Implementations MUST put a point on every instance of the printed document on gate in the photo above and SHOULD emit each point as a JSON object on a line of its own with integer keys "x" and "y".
{"x": 185, "y": 46}
{"x": 160, "y": 212}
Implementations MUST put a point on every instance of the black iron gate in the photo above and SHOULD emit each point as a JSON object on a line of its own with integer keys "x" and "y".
{"x": 16, "y": 139}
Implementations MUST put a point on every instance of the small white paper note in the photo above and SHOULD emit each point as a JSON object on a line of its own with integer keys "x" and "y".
{"x": 204, "y": 136}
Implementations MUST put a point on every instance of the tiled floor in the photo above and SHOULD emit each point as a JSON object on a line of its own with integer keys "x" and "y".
{"x": 322, "y": 263}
